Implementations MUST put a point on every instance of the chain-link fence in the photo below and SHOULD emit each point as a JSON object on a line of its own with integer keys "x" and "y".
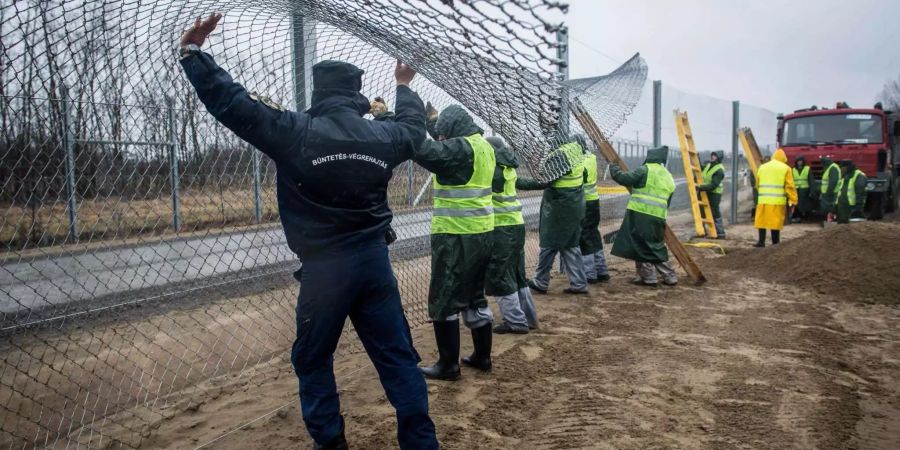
{"x": 140, "y": 254}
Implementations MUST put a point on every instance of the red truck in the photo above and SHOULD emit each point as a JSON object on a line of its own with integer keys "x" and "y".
{"x": 868, "y": 137}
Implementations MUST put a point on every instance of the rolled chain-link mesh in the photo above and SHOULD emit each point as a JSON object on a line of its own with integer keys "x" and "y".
{"x": 141, "y": 261}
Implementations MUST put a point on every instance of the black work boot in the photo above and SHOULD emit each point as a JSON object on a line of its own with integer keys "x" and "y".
{"x": 338, "y": 443}
{"x": 482, "y": 339}
{"x": 447, "y": 367}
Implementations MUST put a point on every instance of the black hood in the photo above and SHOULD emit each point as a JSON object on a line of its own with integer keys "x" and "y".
{"x": 336, "y": 86}
{"x": 455, "y": 122}
{"x": 657, "y": 155}
{"x": 849, "y": 164}
{"x": 720, "y": 154}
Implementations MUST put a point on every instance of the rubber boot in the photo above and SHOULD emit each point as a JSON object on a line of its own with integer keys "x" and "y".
{"x": 482, "y": 338}
{"x": 446, "y": 334}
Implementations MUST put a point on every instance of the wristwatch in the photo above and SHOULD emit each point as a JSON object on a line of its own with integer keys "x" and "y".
{"x": 189, "y": 49}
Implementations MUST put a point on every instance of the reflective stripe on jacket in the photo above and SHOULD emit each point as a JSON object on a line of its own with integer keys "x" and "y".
{"x": 771, "y": 183}
{"x": 575, "y": 157}
{"x": 590, "y": 184}
{"x": 467, "y": 208}
{"x": 708, "y": 171}
{"x": 507, "y": 208}
{"x": 851, "y": 188}
{"x": 827, "y": 176}
{"x": 653, "y": 198}
{"x": 801, "y": 178}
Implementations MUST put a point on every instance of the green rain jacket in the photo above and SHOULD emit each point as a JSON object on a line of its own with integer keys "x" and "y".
{"x": 827, "y": 199}
{"x": 641, "y": 237}
{"x": 562, "y": 210}
{"x": 844, "y": 211}
{"x": 506, "y": 269}
{"x": 591, "y": 242}
{"x": 714, "y": 199}
{"x": 458, "y": 262}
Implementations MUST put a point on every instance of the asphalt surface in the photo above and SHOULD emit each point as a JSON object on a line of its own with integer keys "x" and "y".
{"x": 50, "y": 282}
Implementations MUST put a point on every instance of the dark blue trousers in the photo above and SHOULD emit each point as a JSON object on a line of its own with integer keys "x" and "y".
{"x": 359, "y": 284}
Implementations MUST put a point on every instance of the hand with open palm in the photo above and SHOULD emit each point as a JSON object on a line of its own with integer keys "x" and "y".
{"x": 201, "y": 30}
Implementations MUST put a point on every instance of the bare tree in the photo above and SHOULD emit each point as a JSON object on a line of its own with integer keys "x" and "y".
{"x": 890, "y": 95}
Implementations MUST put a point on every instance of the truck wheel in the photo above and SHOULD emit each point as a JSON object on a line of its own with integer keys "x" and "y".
{"x": 876, "y": 206}
{"x": 892, "y": 202}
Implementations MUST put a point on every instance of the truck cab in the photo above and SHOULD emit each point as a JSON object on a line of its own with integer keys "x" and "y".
{"x": 869, "y": 137}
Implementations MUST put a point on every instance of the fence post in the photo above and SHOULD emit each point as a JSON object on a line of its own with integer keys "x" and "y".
{"x": 562, "y": 75}
{"x": 173, "y": 165}
{"x": 735, "y": 126}
{"x": 257, "y": 194}
{"x": 657, "y": 114}
{"x": 303, "y": 42}
{"x": 69, "y": 148}
{"x": 410, "y": 175}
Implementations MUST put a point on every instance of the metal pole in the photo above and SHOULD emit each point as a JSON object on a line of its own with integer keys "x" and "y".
{"x": 562, "y": 56}
{"x": 410, "y": 175}
{"x": 257, "y": 194}
{"x": 735, "y": 126}
{"x": 173, "y": 166}
{"x": 657, "y": 113}
{"x": 303, "y": 41}
{"x": 69, "y": 148}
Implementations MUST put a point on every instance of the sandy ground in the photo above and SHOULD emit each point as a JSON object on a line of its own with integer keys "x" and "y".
{"x": 738, "y": 363}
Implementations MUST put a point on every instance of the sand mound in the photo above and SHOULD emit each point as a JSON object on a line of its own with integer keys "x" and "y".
{"x": 858, "y": 262}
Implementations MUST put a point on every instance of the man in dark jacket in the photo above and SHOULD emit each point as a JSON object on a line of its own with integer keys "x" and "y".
{"x": 851, "y": 192}
{"x": 562, "y": 211}
{"x": 713, "y": 175}
{"x": 802, "y": 181}
{"x": 462, "y": 223}
{"x": 831, "y": 176}
{"x": 642, "y": 235}
{"x": 506, "y": 270}
{"x": 333, "y": 169}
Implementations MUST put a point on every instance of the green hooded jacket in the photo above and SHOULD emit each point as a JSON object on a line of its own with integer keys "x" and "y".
{"x": 844, "y": 211}
{"x": 458, "y": 261}
{"x": 826, "y": 200}
{"x": 714, "y": 199}
{"x": 506, "y": 269}
{"x": 562, "y": 210}
{"x": 641, "y": 237}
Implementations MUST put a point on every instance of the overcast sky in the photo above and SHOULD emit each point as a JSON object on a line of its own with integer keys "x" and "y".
{"x": 780, "y": 55}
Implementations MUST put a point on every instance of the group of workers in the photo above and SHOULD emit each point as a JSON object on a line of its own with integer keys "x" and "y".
{"x": 781, "y": 190}
{"x": 333, "y": 168}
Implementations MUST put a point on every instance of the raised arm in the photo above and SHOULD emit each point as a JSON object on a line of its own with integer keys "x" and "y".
{"x": 409, "y": 118}
{"x": 634, "y": 179}
{"x": 255, "y": 119}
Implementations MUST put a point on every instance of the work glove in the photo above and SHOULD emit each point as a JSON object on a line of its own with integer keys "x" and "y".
{"x": 378, "y": 107}
{"x": 430, "y": 112}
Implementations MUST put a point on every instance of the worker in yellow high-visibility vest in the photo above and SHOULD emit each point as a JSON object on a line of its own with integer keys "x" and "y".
{"x": 802, "y": 181}
{"x": 713, "y": 176}
{"x": 591, "y": 241}
{"x": 641, "y": 237}
{"x": 851, "y": 192}
{"x": 562, "y": 210}
{"x": 462, "y": 223}
{"x": 506, "y": 279}
{"x": 775, "y": 193}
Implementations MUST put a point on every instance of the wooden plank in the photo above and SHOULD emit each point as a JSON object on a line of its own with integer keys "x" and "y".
{"x": 612, "y": 156}
{"x": 751, "y": 150}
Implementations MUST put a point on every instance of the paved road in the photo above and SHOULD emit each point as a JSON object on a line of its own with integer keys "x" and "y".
{"x": 59, "y": 280}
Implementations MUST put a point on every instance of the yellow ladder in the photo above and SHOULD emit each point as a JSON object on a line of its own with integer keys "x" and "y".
{"x": 693, "y": 173}
{"x": 751, "y": 149}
